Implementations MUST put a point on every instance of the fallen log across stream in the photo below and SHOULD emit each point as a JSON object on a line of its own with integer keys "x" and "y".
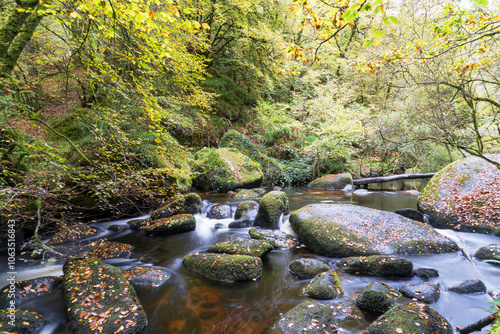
{"x": 361, "y": 182}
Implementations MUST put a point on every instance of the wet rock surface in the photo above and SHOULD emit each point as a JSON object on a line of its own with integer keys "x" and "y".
{"x": 411, "y": 318}
{"x": 426, "y": 293}
{"x": 307, "y": 268}
{"x": 29, "y": 289}
{"x": 277, "y": 238}
{"x": 472, "y": 286}
{"x": 426, "y": 273}
{"x": 331, "y": 182}
{"x": 376, "y": 265}
{"x": 257, "y": 248}
{"x": 490, "y": 252}
{"x": 324, "y": 286}
{"x": 25, "y": 322}
{"x": 175, "y": 224}
{"x": 225, "y": 267}
{"x": 341, "y": 230}
{"x": 146, "y": 276}
{"x": 220, "y": 211}
{"x": 99, "y": 298}
{"x": 104, "y": 250}
{"x": 377, "y": 297}
{"x": 412, "y": 214}
{"x": 271, "y": 207}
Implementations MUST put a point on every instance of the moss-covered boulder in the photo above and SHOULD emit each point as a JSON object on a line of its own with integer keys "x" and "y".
{"x": 341, "y": 230}
{"x": 100, "y": 299}
{"x": 308, "y": 317}
{"x": 324, "y": 286}
{"x": 192, "y": 203}
{"x": 376, "y": 265}
{"x": 29, "y": 289}
{"x": 138, "y": 224}
{"x": 257, "y": 248}
{"x": 307, "y": 268}
{"x": 220, "y": 211}
{"x": 271, "y": 207}
{"x": 72, "y": 233}
{"x": 411, "y": 318}
{"x": 225, "y": 169}
{"x": 104, "y": 250}
{"x": 463, "y": 196}
{"x": 331, "y": 182}
{"x": 225, "y": 267}
{"x": 181, "y": 203}
{"x": 427, "y": 293}
{"x": 246, "y": 193}
{"x": 246, "y": 212}
{"x": 377, "y": 297}
{"x": 490, "y": 252}
{"x": 175, "y": 224}
{"x": 146, "y": 276}
{"x": 471, "y": 286}
{"x": 277, "y": 238}
{"x": 21, "y": 322}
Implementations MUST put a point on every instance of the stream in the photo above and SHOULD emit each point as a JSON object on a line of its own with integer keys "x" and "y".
{"x": 189, "y": 303}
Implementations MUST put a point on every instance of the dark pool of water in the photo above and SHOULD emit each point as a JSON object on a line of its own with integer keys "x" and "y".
{"x": 189, "y": 303}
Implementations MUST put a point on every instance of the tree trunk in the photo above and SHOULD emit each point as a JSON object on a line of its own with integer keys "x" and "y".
{"x": 369, "y": 180}
{"x": 16, "y": 33}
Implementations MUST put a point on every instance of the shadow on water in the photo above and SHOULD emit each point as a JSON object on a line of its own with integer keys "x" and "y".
{"x": 189, "y": 303}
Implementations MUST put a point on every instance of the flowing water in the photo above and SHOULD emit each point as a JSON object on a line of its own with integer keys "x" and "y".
{"x": 189, "y": 303}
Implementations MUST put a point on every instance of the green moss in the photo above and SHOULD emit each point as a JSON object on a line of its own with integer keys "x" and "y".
{"x": 377, "y": 265}
{"x": 324, "y": 286}
{"x": 271, "y": 207}
{"x": 257, "y": 248}
{"x": 225, "y": 267}
{"x": 377, "y": 297}
{"x": 175, "y": 224}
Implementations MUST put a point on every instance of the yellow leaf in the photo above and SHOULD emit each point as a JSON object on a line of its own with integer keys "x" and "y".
{"x": 205, "y": 26}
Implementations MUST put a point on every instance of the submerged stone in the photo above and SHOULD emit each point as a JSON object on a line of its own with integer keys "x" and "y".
{"x": 246, "y": 193}
{"x": 341, "y": 230}
{"x": 257, "y": 248}
{"x": 118, "y": 228}
{"x": 307, "y": 268}
{"x": 324, "y": 286}
{"x": 308, "y": 317}
{"x": 99, "y": 298}
{"x": 376, "y": 265}
{"x": 411, "y": 318}
{"x": 225, "y": 267}
{"x": 377, "y": 297}
{"x": 175, "y": 224}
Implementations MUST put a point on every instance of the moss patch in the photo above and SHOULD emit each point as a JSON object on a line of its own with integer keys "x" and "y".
{"x": 171, "y": 225}
{"x": 324, "y": 286}
{"x": 257, "y": 248}
{"x": 331, "y": 182}
{"x": 271, "y": 207}
{"x": 377, "y": 265}
{"x": 225, "y": 267}
{"x": 377, "y": 297}
{"x": 411, "y": 318}
{"x": 104, "y": 249}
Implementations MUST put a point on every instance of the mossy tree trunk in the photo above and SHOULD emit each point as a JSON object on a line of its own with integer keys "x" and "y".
{"x": 16, "y": 33}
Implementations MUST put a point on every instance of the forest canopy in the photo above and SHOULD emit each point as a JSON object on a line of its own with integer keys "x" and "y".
{"x": 105, "y": 102}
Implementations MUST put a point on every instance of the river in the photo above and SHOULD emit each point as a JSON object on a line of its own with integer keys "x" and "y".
{"x": 188, "y": 303}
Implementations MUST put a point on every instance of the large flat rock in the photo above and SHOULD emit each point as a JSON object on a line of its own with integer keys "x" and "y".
{"x": 342, "y": 230}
